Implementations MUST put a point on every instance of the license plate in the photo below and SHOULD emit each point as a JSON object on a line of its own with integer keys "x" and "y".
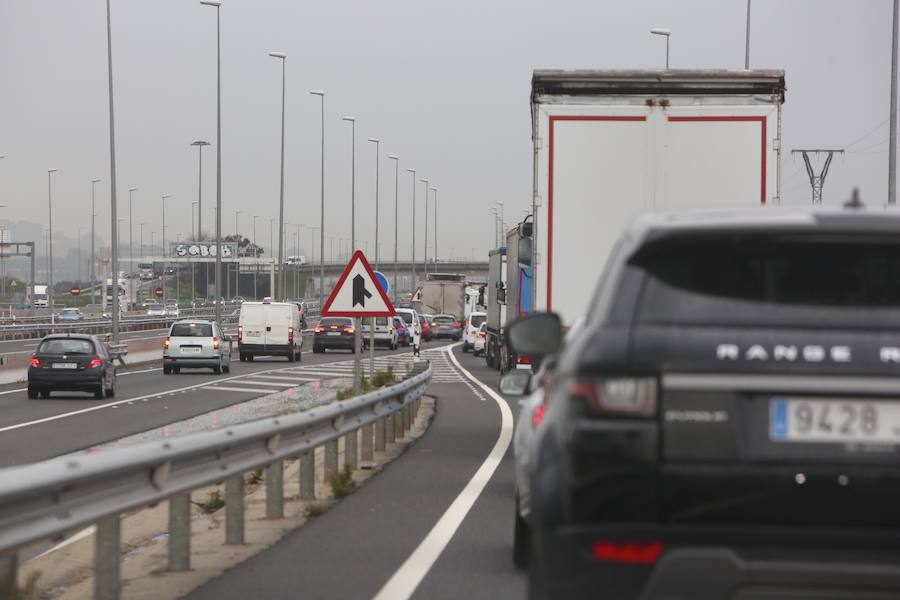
{"x": 837, "y": 421}
{"x": 190, "y": 350}
{"x": 334, "y": 333}
{"x": 65, "y": 365}
{"x": 254, "y": 334}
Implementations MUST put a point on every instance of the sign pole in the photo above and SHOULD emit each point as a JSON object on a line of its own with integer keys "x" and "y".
{"x": 357, "y": 363}
{"x": 372, "y": 349}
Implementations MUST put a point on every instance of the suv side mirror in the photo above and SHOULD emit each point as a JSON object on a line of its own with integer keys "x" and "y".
{"x": 537, "y": 334}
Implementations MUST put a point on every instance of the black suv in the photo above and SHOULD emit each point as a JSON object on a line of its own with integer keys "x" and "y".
{"x": 727, "y": 424}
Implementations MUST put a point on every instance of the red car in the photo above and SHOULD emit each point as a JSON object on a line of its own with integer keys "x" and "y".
{"x": 425, "y": 322}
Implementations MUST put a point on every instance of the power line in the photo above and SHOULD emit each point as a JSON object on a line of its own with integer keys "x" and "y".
{"x": 817, "y": 181}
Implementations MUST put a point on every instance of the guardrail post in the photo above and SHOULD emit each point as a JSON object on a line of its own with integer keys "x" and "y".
{"x": 308, "y": 475}
{"x": 351, "y": 449}
{"x": 234, "y": 510}
{"x": 390, "y": 429}
{"x": 107, "y": 559}
{"x": 9, "y": 574}
{"x": 331, "y": 460}
{"x": 366, "y": 451}
{"x": 180, "y": 532}
{"x": 380, "y": 431}
{"x": 275, "y": 490}
{"x": 398, "y": 424}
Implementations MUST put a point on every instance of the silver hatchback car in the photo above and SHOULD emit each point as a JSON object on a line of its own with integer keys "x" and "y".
{"x": 196, "y": 344}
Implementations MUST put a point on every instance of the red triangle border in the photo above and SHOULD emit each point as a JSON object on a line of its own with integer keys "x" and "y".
{"x": 326, "y": 309}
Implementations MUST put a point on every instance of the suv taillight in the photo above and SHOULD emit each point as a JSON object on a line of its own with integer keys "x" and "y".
{"x": 290, "y": 335}
{"x": 625, "y": 396}
{"x": 166, "y": 343}
{"x": 240, "y": 333}
{"x": 215, "y": 343}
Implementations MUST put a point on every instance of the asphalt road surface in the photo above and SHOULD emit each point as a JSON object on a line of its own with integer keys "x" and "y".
{"x": 371, "y": 537}
{"x": 33, "y": 430}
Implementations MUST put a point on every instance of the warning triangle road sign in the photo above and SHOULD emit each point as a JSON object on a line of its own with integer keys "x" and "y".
{"x": 357, "y": 293}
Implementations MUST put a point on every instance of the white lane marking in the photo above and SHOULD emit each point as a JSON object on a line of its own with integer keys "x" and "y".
{"x": 276, "y": 384}
{"x": 117, "y": 403}
{"x": 136, "y": 372}
{"x": 284, "y": 378}
{"x": 13, "y": 391}
{"x": 78, "y": 536}
{"x": 222, "y": 388}
{"x": 407, "y": 578}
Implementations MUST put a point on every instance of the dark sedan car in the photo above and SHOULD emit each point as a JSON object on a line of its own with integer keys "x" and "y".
{"x": 335, "y": 333}
{"x": 71, "y": 363}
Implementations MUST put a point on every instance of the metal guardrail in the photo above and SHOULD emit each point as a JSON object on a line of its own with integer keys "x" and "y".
{"x": 48, "y": 499}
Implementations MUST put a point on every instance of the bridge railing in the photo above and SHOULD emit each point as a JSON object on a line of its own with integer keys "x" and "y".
{"x": 49, "y": 499}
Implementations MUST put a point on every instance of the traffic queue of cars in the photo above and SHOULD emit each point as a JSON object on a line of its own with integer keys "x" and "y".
{"x": 725, "y": 422}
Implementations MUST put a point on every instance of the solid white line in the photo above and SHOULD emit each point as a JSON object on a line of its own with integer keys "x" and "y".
{"x": 221, "y": 388}
{"x": 13, "y": 391}
{"x": 284, "y": 378}
{"x": 407, "y": 578}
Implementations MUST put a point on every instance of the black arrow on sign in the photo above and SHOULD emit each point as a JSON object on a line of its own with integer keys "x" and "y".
{"x": 360, "y": 293}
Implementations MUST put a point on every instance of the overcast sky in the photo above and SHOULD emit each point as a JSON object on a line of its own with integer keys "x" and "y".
{"x": 444, "y": 85}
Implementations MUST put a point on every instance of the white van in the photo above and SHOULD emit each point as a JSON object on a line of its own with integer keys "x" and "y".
{"x": 269, "y": 329}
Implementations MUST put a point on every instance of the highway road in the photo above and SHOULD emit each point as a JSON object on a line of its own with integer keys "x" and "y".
{"x": 33, "y": 430}
{"x": 28, "y": 345}
{"x": 369, "y": 540}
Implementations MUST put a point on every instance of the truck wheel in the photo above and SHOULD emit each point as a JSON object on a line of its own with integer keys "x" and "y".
{"x": 32, "y": 392}
{"x": 167, "y": 370}
{"x": 98, "y": 393}
{"x": 217, "y": 369}
{"x": 291, "y": 356}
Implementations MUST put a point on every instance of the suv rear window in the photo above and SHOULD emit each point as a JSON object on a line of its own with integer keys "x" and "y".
{"x": 200, "y": 330}
{"x": 337, "y": 322}
{"x": 758, "y": 279}
{"x": 443, "y": 319}
{"x": 381, "y": 321}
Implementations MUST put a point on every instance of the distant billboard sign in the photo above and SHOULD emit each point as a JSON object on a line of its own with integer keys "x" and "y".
{"x": 202, "y": 250}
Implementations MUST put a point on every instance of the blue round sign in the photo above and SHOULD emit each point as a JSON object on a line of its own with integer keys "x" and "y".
{"x": 382, "y": 281}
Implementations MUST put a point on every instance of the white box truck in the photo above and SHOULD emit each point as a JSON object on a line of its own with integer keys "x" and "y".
{"x": 443, "y": 294}
{"x": 40, "y": 296}
{"x": 611, "y": 144}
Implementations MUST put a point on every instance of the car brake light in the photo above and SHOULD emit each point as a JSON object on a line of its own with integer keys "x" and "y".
{"x": 348, "y": 330}
{"x": 95, "y": 362}
{"x": 240, "y": 333}
{"x": 215, "y": 343}
{"x": 523, "y": 360}
{"x": 434, "y": 323}
{"x": 166, "y": 343}
{"x": 290, "y": 335}
{"x": 480, "y": 334}
{"x": 538, "y": 417}
{"x": 319, "y": 329}
{"x": 622, "y": 395}
{"x": 642, "y": 553}
{"x": 35, "y": 362}
{"x": 456, "y": 325}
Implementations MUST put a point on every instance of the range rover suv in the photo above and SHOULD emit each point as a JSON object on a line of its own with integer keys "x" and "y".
{"x": 727, "y": 424}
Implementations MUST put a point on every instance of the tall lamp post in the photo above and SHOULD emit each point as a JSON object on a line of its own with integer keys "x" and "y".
{"x": 279, "y": 291}
{"x": 352, "y": 121}
{"x": 256, "y": 257}
{"x": 413, "y": 258}
{"x": 667, "y": 34}
{"x": 747, "y": 46}
{"x": 193, "y": 262}
{"x": 434, "y": 189}
{"x": 396, "y": 160}
{"x": 131, "y": 191}
{"x": 143, "y": 254}
{"x": 50, "y": 172}
{"x": 272, "y": 221}
{"x": 114, "y": 258}
{"x": 217, "y": 5}
{"x": 425, "y": 256}
{"x": 93, "y": 273}
{"x": 377, "y": 143}
{"x": 199, "y": 144}
{"x": 237, "y": 248}
{"x": 164, "y": 251}
{"x": 321, "y": 95}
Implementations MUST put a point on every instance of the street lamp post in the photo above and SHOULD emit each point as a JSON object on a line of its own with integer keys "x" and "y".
{"x": 425, "y": 256}
{"x": 413, "y": 258}
{"x": 193, "y": 262}
{"x": 321, "y": 95}
{"x": 377, "y": 143}
{"x": 131, "y": 191}
{"x": 79, "y": 256}
{"x": 279, "y": 291}
{"x": 396, "y": 160}
{"x": 256, "y": 257}
{"x": 272, "y": 221}
{"x": 50, "y": 172}
{"x": 237, "y": 248}
{"x": 93, "y": 273}
{"x": 217, "y": 4}
{"x": 199, "y": 144}
{"x": 747, "y": 47}
{"x": 667, "y": 34}
{"x": 114, "y": 258}
{"x": 434, "y": 189}
{"x": 352, "y": 121}
{"x": 164, "y": 253}
{"x": 143, "y": 254}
